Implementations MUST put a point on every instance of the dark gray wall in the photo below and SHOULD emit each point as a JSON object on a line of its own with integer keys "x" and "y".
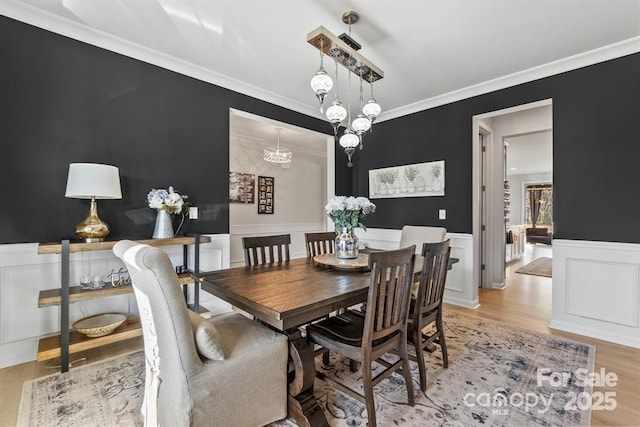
{"x": 63, "y": 101}
{"x": 596, "y": 153}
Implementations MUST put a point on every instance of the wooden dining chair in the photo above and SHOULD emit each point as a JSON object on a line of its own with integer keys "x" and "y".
{"x": 380, "y": 330}
{"x": 266, "y": 249}
{"x": 320, "y": 243}
{"x": 426, "y": 308}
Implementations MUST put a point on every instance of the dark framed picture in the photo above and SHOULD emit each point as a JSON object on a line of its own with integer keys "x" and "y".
{"x": 265, "y": 195}
{"x": 241, "y": 187}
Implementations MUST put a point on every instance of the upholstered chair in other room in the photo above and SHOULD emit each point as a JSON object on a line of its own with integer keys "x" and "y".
{"x": 266, "y": 249}
{"x": 228, "y": 370}
{"x": 417, "y": 235}
{"x": 426, "y": 308}
{"x": 380, "y": 330}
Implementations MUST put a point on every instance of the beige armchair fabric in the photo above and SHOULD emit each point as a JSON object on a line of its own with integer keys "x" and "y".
{"x": 246, "y": 384}
{"x": 417, "y": 235}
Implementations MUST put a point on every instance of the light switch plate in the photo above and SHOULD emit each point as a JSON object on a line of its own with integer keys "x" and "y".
{"x": 193, "y": 212}
{"x": 442, "y": 214}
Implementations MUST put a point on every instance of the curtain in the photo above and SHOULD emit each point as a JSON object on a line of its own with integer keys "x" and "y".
{"x": 535, "y": 195}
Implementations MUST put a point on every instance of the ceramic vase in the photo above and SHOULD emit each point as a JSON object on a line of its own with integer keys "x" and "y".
{"x": 164, "y": 225}
{"x": 346, "y": 244}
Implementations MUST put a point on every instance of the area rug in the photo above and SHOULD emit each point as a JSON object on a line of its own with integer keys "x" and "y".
{"x": 104, "y": 393}
{"x": 498, "y": 375}
{"x": 537, "y": 267}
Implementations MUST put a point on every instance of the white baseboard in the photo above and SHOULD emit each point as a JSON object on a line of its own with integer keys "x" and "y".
{"x": 462, "y": 303}
{"x": 595, "y": 333}
{"x": 497, "y": 285}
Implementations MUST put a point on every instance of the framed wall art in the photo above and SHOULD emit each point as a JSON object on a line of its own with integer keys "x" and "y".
{"x": 241, "y": 187}
{"x": 417, "y": 180}
{"x": 265, "y": 195}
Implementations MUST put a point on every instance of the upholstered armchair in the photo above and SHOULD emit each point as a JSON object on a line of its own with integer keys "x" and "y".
{"x": 417, "y": 235}
{"x": 227, "y": 370}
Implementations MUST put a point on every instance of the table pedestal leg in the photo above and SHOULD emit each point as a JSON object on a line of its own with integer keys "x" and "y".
{"x": 302, "y": 405}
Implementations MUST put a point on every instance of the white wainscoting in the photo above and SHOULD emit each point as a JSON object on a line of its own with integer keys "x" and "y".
{"x": 459, "y": 289}
{"x": 24, "y": 273}
{"x": 297, "y": 248}
{"x": 596, "y": 290}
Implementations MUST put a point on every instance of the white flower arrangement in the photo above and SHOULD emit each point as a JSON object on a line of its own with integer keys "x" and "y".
{"x": 167, "y": 200}
{"x": 348, "y": 212}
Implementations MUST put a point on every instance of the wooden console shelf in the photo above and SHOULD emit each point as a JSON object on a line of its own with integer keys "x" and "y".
{"x": 56, "y": 248}
{"x": 49, "y": 347}
{"x": 51, "y": 297}
{"x": 72, "y": 342}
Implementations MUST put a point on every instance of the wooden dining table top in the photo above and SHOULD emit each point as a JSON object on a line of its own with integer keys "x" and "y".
{"x": 287, "y": 294}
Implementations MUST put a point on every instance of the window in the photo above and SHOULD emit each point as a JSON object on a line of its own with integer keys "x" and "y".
{"x": 541, "y": 195}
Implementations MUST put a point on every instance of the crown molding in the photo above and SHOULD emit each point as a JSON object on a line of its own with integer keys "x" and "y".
{"x": 602, "y": 54}
{"x": 72, "y": 29}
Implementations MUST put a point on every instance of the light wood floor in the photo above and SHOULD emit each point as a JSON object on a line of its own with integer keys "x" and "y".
{"x": 525, "y": 303}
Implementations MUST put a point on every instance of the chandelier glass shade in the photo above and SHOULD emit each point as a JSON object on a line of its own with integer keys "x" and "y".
{"x": 343, "y": 50}
{"x": 321, "y": 83}
{"x": 277, "y": 154}
{"x": 336, "y": 113}
{"x": 349, "y": 141}
{"x": 371, "y": 109}
{"x": 361, "y": 124}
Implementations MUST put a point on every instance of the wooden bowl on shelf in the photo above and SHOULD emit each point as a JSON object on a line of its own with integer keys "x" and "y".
{"x": 99, "y": 325}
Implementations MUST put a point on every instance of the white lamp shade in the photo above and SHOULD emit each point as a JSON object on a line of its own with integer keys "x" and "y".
{"x": 88, "y": 180}
{"x": 349, "y": 139}
{"x": 361, "y": 124}
{"x": 336, "y": 113}
{"x": 321, "y": 83}
{"x": 371, "y": 108}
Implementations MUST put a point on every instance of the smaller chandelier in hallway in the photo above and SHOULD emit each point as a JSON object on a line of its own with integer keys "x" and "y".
{"x": 277, "y": 154}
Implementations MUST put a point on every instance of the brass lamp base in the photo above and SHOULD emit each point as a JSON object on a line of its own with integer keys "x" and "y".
{"x": 92, "y": 229}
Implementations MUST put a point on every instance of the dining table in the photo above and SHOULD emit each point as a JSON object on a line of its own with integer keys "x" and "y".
{"x": 287, "y": 296}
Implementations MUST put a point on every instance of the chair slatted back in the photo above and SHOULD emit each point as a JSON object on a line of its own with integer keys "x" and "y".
{"x": 266, "y": 249}
{"x": 389, "y": 293}
{"x": 433, "y": 276}
{"x": 320, "y": 243}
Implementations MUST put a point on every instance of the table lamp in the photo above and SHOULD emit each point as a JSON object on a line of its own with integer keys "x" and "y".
{"x": 93, "y": 181}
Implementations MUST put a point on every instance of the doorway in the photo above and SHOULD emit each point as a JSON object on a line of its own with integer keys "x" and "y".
{"x": 299, "y": 190}
{"x": 491, "y": 216}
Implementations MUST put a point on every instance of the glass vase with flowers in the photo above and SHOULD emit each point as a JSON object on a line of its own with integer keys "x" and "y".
{"x": 347, "y": 213}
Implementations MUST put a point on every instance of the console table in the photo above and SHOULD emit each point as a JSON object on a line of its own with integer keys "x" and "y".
{"x": 68, "y": 341}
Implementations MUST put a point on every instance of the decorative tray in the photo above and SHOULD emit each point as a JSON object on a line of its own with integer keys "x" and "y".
{"x": 331, "y": 260}
{"x": 100, "y": 324}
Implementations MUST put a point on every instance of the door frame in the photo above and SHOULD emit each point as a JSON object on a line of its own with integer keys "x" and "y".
{"x": 491, "y": 258}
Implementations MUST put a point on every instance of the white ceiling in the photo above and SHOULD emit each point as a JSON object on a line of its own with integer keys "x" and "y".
{"x": 430, "y": 51}
{"x": 529, "y": 154}
{"x": 248, "y": 130}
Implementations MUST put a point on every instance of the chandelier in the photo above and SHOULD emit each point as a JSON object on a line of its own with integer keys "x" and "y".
{"x": 277, "y": 154}
{"x": 343, "y": 50}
